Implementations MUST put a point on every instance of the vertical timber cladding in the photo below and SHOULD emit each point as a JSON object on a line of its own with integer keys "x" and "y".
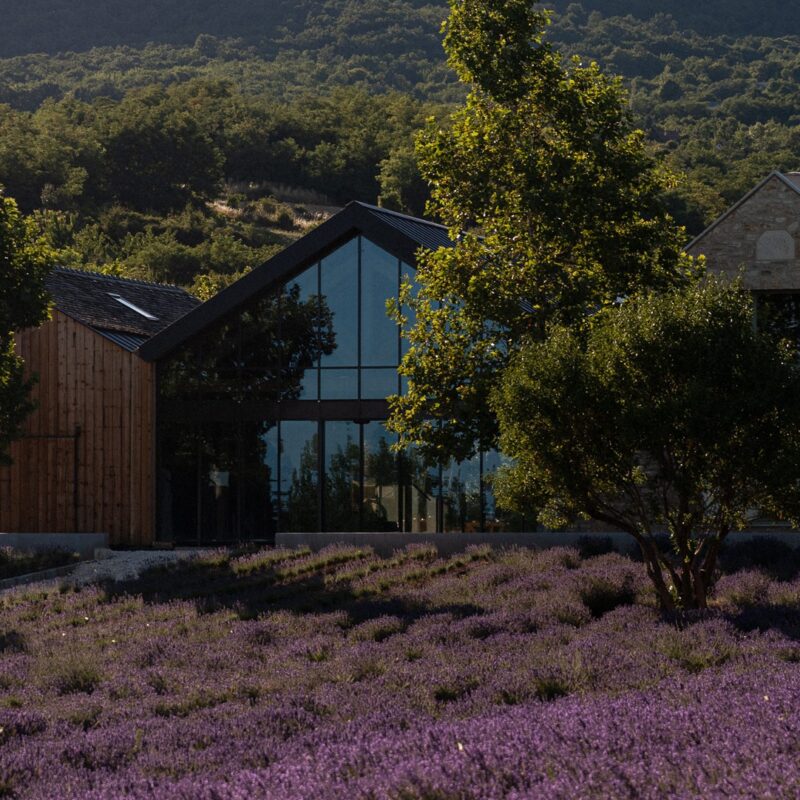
{"x": 86, "y": 461}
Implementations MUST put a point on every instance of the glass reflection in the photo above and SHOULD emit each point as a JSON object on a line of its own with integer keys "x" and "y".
{"x": 218, "y": 482}
{"x": 177, "y": 480}
{"x": 261, "y": 348}
{"x": 381, "y": 509}
{"x": 379, "y": 334}
{"x": 420, "y": 495}
{"x": 461, "y": 496}
{"x": 299, "y": 471}
{"x": 338, "y": 384}
{"x": 495, "y": 517}
{"x": 342, "y": 487}
{"x": 302, "y": 313}
{"x": 408, "y": 275}
{"x": 268, "y": 353}
{"x": 339, "y": 290}
{"x": 378, "y": 384}
{"x": 257, "y": 477}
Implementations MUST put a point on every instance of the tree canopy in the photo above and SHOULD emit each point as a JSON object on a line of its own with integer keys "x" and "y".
{"x": 555, "y": 208}
{"x": 24, "y": 265}
{"x": 323, "y": 98}
{"x": 669, "y": 414}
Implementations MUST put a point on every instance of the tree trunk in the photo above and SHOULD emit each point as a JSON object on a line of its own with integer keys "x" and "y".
{"x": 687, "y": 587}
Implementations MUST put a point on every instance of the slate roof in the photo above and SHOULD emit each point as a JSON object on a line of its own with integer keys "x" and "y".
{"x": 794, "y": 177}
{"x": 109, "y": 305}
{"x": 398, "y": 234}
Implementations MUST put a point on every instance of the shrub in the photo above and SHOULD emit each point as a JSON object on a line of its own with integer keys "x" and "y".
{"x": 74, "y": 676}
{"x": 285, "y": 220}
{"x": 601, "y": 595}
{"x": 776, "y": 557}
{"x": 591, "y": 546}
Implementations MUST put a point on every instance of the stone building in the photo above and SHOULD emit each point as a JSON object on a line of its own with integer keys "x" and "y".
{"x": 759, "y": 237}
{"x": 758, "y": 240}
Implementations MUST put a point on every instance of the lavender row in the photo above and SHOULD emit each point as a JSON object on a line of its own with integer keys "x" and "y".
{"x": 339, "y": 674}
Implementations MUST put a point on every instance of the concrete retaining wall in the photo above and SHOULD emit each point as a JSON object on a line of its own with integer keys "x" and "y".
{"x": 448, "y": 543}
{"x": 82, "y": 543}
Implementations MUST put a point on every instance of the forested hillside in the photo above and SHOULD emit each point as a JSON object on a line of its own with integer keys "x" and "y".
{"x": 395, "y": 26}
{"x": 123, "y": 125}
{"x": 709, "y": 17}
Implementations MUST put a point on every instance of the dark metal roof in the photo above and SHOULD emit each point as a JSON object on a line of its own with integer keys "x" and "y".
{"x": 425, "y": 233}
{"x": 127, "y": 341}
{"x": 109, "y": 305}
{"x": 400, "y": 235}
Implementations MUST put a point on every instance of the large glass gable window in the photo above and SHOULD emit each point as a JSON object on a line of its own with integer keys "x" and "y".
{"x": 353, "y": 285}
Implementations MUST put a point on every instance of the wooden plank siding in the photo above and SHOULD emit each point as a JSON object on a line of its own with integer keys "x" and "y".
{"x": 86, "y": 382}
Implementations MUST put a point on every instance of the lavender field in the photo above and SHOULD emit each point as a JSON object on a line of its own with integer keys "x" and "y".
{"x": 343, "y": 675}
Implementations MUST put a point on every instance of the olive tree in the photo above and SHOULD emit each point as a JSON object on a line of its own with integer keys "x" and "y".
{"x": 670, "y": 414}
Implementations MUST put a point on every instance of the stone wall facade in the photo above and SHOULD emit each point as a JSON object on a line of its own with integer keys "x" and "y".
{"x": 759, "y": 239}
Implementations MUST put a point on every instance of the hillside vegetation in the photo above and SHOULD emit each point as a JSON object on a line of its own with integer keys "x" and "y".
{"x": 325, "y": 97}
{"x": 398, "y": 27}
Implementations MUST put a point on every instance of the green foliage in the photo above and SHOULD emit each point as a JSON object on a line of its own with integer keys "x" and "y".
{"x": 200, "y": 247}
{"x": 156, "y": 156}
{"x": 402, "y": 187}
{"x": 24, "y": 265}
{"x": 72, "y": 674}
{"x": 669, "y": 413}
{"x": 601, "y": 595}
{"x": 134, "y": 186}
{"x": 493, "y": 45}
{"x": 554, "y": 204}
{"x": 716, "y": 101}
{"x": 157, "y": 149}
{"x": 730, "y": 17}
{"x": 20, "y": 562}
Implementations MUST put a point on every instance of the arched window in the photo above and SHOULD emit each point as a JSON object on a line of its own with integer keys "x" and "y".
{"x": 776, "y": 246}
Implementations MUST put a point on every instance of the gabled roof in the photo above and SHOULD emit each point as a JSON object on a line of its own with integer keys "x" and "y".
{"x": 399, "y": 234}
{"x": 125, "y": 311}
{"x": 790, "y": 179}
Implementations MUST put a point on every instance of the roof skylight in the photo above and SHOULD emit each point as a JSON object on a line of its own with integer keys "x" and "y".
{"x": 131, "y": 306}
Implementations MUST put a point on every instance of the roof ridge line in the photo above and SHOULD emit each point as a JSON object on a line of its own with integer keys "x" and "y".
{"x": 95, "y": 274}
{"x": 784, "y": 176}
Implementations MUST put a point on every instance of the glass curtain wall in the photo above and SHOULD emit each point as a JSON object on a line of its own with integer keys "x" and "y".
{"x": 359, "y": 357}
{"x": 261, "y": 423}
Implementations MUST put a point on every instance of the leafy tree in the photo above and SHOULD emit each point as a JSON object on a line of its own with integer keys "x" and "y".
{"x": 23, "y": 304}
{"x": 668, "y": 414}
{"x": 554, "y": 206}
{"x": 402, "y": 187}
{"x": 156, "y": 157}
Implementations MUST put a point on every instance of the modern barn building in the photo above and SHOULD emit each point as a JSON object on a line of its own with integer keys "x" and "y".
{"x": 86, "y": 460}
{"x": 262, "y": 410}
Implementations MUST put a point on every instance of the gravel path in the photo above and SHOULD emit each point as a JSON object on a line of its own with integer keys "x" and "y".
{"x": 125, "y": 565}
